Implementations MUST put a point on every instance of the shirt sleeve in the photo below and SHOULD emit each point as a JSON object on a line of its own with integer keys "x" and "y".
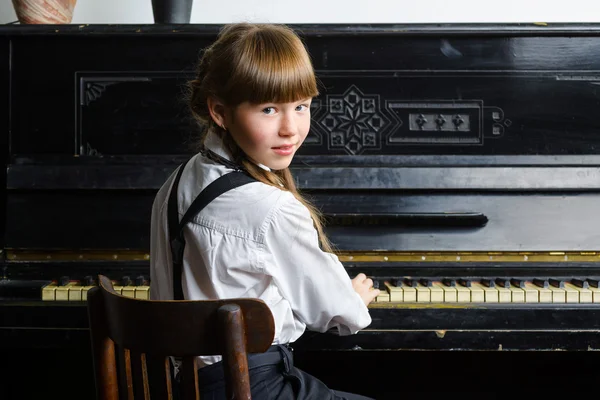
{"x": 314, "y": 282}
{"x": 160, "y": 251}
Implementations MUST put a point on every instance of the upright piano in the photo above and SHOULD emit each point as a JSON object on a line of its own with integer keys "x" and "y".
{"x": 457, "y": 165}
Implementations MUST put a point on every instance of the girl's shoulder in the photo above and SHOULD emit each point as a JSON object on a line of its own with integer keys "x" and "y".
{"x": 278, "y": 201}
{"x": 286, "y": 207}
{"x": 268, "y": 195}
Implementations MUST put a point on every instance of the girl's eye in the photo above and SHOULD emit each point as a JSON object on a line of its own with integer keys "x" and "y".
{"x": 268, "y": 110}
{"x": 302, "y": 107}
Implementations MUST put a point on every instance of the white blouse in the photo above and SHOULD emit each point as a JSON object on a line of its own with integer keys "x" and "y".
{"x": 254, "y": 241}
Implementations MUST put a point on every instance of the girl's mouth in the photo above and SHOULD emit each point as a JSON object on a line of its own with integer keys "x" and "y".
{"x": 284, "y": 150}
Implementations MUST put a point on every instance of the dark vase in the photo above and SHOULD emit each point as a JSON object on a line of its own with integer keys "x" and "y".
{"x": 172, "y": 11}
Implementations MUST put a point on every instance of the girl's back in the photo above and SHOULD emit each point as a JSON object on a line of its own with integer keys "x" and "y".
{"x": 262, "y": 240}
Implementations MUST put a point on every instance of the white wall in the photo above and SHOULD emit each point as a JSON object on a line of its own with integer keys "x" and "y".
{"x": 339, "y": 11}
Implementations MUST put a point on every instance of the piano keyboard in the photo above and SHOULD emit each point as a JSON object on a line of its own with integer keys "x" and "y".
{"x": 401, "y": 290}
{"x": 492, "y": 290}
{"x": 65, "y": 289}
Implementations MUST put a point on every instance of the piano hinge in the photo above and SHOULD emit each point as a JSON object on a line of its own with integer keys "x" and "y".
{"x": 471, "y": 256}
{"x": 24, "y": 255}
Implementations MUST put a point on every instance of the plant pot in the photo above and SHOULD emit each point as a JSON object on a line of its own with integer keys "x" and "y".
{"x": 172, "y": 11}
{"x": 44, "y": 11}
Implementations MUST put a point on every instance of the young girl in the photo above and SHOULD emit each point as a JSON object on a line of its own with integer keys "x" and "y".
{"x": 252, "y": 93}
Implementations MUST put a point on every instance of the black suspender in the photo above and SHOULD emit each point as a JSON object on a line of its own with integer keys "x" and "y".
{"x": 219, "y": 186}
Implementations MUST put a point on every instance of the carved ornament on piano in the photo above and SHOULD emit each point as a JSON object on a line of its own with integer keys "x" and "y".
{"x": 90, "y": 151}
{"x": 93, "y": 91}
{"x": 131, "y": 112}
{"x": 92, "y": 88}
{"x": 352, "y": 121}
{"x": 356, "y": 122}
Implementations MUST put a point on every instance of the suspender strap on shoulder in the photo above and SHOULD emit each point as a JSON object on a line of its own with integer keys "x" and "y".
{"x": 173, "y": 211}
{"x": 213, "y": 190}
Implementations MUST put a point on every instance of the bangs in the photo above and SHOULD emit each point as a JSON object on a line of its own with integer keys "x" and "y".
{"x": 272, "y": 66}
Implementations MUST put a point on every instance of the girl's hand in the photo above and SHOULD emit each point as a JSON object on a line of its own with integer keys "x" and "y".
{"x": 364, "y": 287}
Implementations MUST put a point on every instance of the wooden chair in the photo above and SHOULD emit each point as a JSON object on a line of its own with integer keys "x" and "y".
{"x": 132, "y": 339}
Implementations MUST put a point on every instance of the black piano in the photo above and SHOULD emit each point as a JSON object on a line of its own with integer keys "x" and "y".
{"x": 457, "y": 165}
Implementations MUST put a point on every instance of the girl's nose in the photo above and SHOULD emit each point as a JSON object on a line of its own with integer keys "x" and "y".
{"x": 288, "y": 126}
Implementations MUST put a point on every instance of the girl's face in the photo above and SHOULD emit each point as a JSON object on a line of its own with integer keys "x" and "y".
{"x": 270, "y": 133}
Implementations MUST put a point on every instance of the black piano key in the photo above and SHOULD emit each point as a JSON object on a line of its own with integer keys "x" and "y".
{"x": 557, "y": 283}
{"x": 63, "y": 281}
{"x": 426, "y": 282}
{"x": 88, "y": 281}
{"x": 449, "y": 282}
{"x": 488, "y": 283}
{"x": 465, "y": 282}
{"x": 594, "y": 282}
{"x": 411, "y": 282}
{"x": 520, "y": 283}
{"x": 375, "y": 284}
{"x": 398, "y": 282}
{"x": 542, "y": 283}
{"x": 503, "y": 282}
{"x": 580, "y": 283}
{"x": 125, "y": 281}
{"x": 140, "y": 280}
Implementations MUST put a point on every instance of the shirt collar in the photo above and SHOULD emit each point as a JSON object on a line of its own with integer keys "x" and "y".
{"x": 214, "y": 143}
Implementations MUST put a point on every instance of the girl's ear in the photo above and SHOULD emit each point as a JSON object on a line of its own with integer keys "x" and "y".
{"x": 217, "y": 111}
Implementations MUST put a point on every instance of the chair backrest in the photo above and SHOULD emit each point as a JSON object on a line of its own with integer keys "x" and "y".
{"x": 132, "y": 340}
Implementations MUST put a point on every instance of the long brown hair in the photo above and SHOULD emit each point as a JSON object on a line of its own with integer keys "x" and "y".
{"x": 255, "y": 63}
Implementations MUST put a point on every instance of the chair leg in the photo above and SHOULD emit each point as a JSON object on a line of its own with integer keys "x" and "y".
{"x": 103, "y": 349}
